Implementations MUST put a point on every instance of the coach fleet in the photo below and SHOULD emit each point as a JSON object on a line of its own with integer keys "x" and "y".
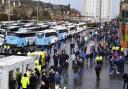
{"x": 22, "y": 34}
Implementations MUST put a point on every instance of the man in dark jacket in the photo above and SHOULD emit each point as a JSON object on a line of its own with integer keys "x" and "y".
{"x": 56, "y": 59}
{"x": 33, "y": 81}
{"x": 72, "y": 46}
{"x": 125, "y": 78}
{"x": 51, "y": 79}
{"x": 19, "y": 80}
{"x": 98, "y": 69}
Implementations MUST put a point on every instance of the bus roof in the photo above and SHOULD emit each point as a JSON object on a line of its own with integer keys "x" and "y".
{"x": 48, "y": 30}
{"x": 71, "y": 26}
{"x": 24, "y": 32}
{"x": 59, "y": 27}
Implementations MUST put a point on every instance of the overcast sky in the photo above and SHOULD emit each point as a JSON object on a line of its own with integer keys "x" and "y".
{"x": 78, "y": 4}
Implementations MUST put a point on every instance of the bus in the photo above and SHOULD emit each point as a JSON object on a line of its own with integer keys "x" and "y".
{"x": 46, "y": 37}
{"x": 71, "y": 30}
{"x": 80, "y": 27}
{"x": 62, "y": 32}
{"x": 20, "y": 39}
{"x": 84, "y": 25}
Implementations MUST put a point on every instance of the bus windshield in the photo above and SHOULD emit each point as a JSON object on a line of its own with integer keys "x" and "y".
{"x": 21, "y": 35}
{"x": 1, "y": 32}
{"x": 72, "y": 28}
{"x": 62, "y": 31}
{"x": 40, "y": 34}
{"x": 80, "y": 25}
{"x": 50, "y": 34}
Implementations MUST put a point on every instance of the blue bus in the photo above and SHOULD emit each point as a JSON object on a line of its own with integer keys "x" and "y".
{"x": 20, "y": 39}
{"x": 62, "y": 32}
{"x": 46, "y": 37}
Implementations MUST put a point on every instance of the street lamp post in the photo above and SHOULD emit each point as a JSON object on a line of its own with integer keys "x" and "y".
{"x": 38, "y": 10}
{"x": 100, "y": 10}
{"x": 9, "y": 12}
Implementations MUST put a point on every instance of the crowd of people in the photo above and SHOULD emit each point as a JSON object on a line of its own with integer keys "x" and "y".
{"x": 103, "y": 46}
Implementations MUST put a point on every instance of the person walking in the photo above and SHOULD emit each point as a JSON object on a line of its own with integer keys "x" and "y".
{"x": 19, "y": 80}
{"x": 56, "y": 59}
{"x": 125, "y": 78}
{"x": 33, "y": 81}
{"x": 51, "y": 79}
{"x": 75, "y": 71}
{"x": 98, "y": 69}
{"x": 25, "y": 81}
{"x": 72, "y": 46}
{"x": 57, "y": 80}
{"x": 65, "y": 70}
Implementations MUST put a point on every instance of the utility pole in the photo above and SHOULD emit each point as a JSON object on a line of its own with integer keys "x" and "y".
{"x": 100, "y": 11}
{"x": 38, "y": 10}
{"x": 9, "y": 12}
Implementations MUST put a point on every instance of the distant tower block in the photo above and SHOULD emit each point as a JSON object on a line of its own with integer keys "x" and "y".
{"x": 93, "y": 8}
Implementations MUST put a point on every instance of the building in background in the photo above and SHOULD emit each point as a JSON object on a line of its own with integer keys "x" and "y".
{"x": 28, "y": 9}
{"x": 106, "y": 10}
{"x": 98, "y": 10}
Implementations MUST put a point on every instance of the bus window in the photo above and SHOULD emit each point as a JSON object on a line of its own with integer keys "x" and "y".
{"x": 80, "y": 25}
{"x": 62, "y": 31}
{"x": 40, "y": 35}
{"x": 22, "y": 35}
{"x": 72, "y": 28}
{"x": 50, "y": 34}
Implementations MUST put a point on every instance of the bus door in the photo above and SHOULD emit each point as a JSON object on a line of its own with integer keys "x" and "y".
{"x": 30, "y": 38}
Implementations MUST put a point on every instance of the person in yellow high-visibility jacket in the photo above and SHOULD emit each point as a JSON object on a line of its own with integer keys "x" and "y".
{"x": 113, "y": 48}
{"x": 43, "y": 54}
{"x": 39, "y": 68}
{"x": 8, "y": 47}
{"x": 99, "y": 59}
{"x": 25, "y": 82}
{"x": 122, "y": 49}
{"x": 5, "y": 48}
